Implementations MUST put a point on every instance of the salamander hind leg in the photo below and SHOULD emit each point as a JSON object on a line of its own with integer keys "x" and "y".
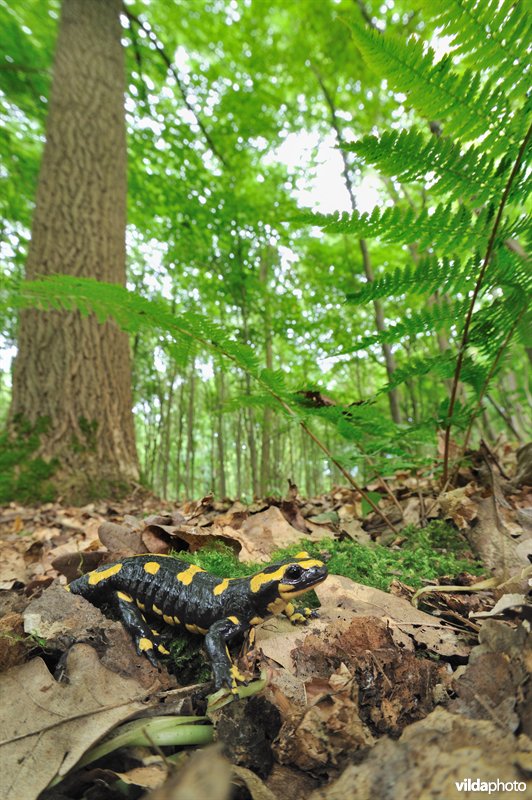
{"x": 144, "y": 637}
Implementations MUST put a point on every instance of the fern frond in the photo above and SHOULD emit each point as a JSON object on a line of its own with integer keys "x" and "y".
{"x": 443, "y": 228}
{"x": 441, "y": 365}
{"x": 425, "y": 321}
{"x": 472, "y": 109}
{"x": 430, "y": 274}
{"x": 492, "y": 323}
{"x": 410, "y": 155}
{"x": 493, "y": 36}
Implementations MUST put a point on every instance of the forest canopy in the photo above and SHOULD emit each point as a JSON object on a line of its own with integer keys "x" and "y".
{"x": 326, "y": 270}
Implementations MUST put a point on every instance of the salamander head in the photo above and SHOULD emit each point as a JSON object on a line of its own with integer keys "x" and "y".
{"x": 289, "y": 578}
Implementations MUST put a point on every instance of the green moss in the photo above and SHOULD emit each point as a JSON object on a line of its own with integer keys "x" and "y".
{"x": 219, "y": 559}
{"x": 188, "y": 659}
{"x": 23, "y": 477}
{"x": 426, "y": 554}
{"x": 89, "y": 431}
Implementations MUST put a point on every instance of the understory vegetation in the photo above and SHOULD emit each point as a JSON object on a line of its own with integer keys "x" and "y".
{"x": 384, "y": 327}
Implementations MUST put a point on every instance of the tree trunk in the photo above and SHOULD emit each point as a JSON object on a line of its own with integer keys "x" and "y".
{"x": 267, "y": 419}
{"x": 389, "y": 359}
{"x": 239, "y": 454}
{"x": 70, "y": 370}
{"x": 220, "y": 438}
{"x": 189, "y": 458}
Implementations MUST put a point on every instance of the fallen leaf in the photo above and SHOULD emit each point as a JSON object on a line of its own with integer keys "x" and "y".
{"x": 458, "y": 506}
{"x": 343, "y": 593}
{"x": 47, "y": 726}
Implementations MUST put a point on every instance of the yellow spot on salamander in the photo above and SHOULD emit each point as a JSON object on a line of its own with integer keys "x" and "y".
{"x": 152, "y": 567}
{"x": 145, "y": 644}
{"x": 256, "y": 620}
{"x": 169, "y": 620}
{"x": 162, "y": 649}
{"x": 258, "y": 580}
{"x": 234, "y": 619}
{"x": 157, "y": 610}
{"x": 140, "y": 605}
{"x": 101, "y": 575}
{"x": 187, "y": 574}
{"x": 177, "y": 621}
{"x": 155, "y": 633}
{"x": 126, "y": 597}
{"x": 297, "y": 617}
{"x": 195, "y": 629}
{"x": 221, "y": 586}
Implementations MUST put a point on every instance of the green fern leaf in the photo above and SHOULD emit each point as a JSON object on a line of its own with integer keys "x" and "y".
{"x": 411, "y": 155}
{"x": 472, "y": 110}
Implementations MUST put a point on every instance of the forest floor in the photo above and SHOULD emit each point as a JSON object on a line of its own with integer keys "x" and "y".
{"x": 413, "y": 680}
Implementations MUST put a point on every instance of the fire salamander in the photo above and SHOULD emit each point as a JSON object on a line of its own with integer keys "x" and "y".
{"x": 177, "y": 593}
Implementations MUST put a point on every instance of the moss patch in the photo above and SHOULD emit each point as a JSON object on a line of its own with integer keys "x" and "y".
{"x": 426, "y": 554}
{"x": 23, "y": 477}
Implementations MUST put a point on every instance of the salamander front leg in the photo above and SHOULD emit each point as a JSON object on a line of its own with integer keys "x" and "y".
{"x": 139, "y": 629}
{"x": 224, "y": 671}
{"x": 299, "y": 615}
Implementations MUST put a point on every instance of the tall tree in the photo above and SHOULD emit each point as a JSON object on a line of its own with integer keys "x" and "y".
{"x": 70, "y": 370}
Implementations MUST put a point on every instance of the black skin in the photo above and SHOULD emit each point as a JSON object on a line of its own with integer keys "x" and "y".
{"x": 155, "y": 587}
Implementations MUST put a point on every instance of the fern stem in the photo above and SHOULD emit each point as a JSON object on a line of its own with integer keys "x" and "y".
{"x": 467, "y": 325}
{"x": 489, "y": 376}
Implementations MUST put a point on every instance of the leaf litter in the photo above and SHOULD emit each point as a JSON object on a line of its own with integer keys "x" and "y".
{"x": 438, "y": 693}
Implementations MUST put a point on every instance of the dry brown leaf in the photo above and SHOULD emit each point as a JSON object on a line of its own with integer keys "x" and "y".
{"x": 120, "y": 539}
{"x": 458, "y": 506}
{"x": 493, "y": 686}
{"x": 500, "y": 552}
{"x": 205, "y": 776}
{"x": 47, "y": 726}
{"x": 343, "y": 593}
{"x": 262, "y": 534}
{"x": 255, "y": 787}
{"x": 329, "y": 727}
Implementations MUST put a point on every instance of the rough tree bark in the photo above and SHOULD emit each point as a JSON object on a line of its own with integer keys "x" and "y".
{"x": 69, "y": 369}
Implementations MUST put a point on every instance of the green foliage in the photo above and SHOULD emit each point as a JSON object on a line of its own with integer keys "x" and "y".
{"x": 206, "y": 189}
{"x": 408, "y": 155}
{"x": 474, "y": 106}
{"x": 472, "y": 157}
{"x": 23, "y": 476}
{"x": 489, "y": 35}
{"x": 442, "y": 227}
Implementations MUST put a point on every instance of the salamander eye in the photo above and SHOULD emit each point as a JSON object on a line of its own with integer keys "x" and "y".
{"x": 293, "y": 571}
